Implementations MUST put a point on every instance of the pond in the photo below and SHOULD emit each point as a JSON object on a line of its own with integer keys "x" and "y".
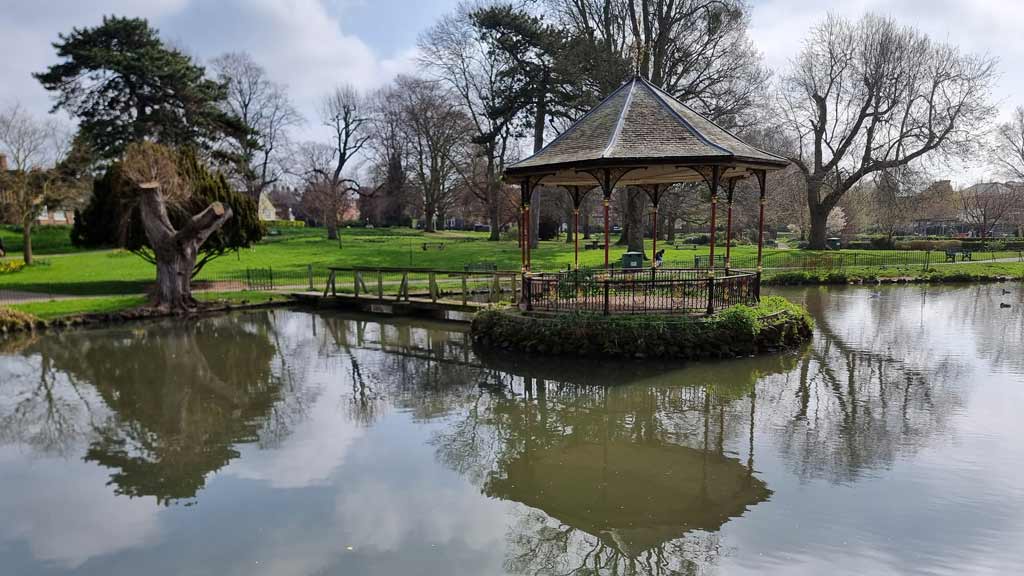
{"x": 290, "y": 442}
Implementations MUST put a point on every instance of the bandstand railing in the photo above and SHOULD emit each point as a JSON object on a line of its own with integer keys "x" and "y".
{"x": 621, "y": 291}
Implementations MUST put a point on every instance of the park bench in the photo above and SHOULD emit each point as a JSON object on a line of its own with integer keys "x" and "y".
{"x": 481, "y": 267}
{"x": 433, "y": 246}
{"x": 684, "y": 246}
{"x": 702, "y": 261}
{"x": 592, "y": 245}
{"x": 965, "y": 255}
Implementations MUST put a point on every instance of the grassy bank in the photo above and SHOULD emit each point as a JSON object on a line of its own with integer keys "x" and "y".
{"x": 47, "y": 310}
{"x": 737, "y": 331}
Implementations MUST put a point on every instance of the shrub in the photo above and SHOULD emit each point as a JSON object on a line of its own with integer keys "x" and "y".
{"x": 548, "y": 228}
{"x": 11, "y": 266}
{"x": 15, "y": 321}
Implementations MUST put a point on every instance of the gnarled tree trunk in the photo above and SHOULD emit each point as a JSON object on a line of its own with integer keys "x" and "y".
{"x": 175, "y": 251}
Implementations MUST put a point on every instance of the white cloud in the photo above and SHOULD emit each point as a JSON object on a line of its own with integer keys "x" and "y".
{"x": 67, "y": 513}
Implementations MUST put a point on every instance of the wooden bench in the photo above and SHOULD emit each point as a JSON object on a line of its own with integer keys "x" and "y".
{"x": 433, "y": 246}
{"x": 593, "y": 245}
{"x": 481, "y": 267}
{"x": 684, "y": 246}
{"x": 702, "y": 261}
{"x": 965, "y": 255}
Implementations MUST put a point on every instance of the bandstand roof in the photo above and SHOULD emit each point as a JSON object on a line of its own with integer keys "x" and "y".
{"x": 642, "y": 127}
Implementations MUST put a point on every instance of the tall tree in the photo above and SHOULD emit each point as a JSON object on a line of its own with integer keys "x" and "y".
{"x": 262, "y": 106}
{"x": 435, "y": 128}
{"x": 34, "y": 150}
{"x": 388, "y": 152}
{"x": 344, "y": 112}
{"x": 456, "y": 53}
{"x": 124, "y": 85}
{"x": 874, "y": 95}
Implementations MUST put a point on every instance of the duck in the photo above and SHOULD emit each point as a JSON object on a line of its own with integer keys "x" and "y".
{"x": 875, "y": 295}
{"x": 1004, "y": 305}
{"x": 1005, "y": 292}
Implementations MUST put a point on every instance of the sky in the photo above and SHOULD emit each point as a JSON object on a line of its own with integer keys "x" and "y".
{"x": 313, "y": 45}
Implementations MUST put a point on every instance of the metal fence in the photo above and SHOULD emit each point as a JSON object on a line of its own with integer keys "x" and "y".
{"x": 840, "y": 261}
{"x": 683, "y": 291}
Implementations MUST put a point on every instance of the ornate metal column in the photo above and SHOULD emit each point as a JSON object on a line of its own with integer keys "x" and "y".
{"x": 728, "y": 225}
{"x": 761, "y": 178}
{"x": 716, "y": 175}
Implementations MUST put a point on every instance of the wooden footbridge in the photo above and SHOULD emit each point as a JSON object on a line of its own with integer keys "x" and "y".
{"x": 416, "y": 291}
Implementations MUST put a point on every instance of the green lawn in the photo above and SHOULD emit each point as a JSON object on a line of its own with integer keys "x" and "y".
{"x": 50, "y": 309}
{"x": 45, "y": 239}
{"x": 109, "y": 272}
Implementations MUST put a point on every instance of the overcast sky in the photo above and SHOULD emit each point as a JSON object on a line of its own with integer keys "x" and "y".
{"x": 311, "y": 45}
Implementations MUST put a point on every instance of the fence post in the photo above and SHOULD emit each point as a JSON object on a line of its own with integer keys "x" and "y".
{"x": 527, "y": 293}
{"x": 380, "y": 285}
{"x": 927, "y": 258}
{"x": 465, "y": 290}
{"x": 432, "y": 281}
{"x": 309, "y": 272}
{"x": 711, "y": 295}
{"x": 606, "y": 294}
{"x": 271, "y": 272}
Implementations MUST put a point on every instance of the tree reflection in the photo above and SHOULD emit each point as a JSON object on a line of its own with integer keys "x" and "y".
{"x": 177, "y": 399}
{"x": 866, "y": 394}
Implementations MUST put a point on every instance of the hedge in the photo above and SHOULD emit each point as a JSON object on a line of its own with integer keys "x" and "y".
{"x": 739, "y": 330}
{"x": 284, "y": 223}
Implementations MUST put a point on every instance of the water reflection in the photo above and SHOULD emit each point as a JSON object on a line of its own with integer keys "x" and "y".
{"x": 176, "y": 400}
{"x": 344, "y": 444}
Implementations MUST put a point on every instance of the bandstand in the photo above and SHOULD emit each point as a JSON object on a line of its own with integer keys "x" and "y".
{"x": 641, "y": 137}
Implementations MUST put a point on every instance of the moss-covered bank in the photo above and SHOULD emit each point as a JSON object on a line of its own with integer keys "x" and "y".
{"x": 737, "y": 331}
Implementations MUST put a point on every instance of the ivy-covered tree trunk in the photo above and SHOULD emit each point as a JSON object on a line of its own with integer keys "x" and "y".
{"x": 175, "y": 251}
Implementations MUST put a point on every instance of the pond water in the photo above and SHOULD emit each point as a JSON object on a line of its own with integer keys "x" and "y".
{"x": 289, "y": 442}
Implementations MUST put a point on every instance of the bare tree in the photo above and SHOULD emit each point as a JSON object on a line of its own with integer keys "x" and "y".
{"x": 321, "y": 196}
{"x": 32, "y": 148}
{"x": 435, "y": 128}
{"x": 344, "y": 112}
{"x": 267, "y": 111}
{"x": 1008, "y": 146}
{"x": 454, "y": 52}
{"x": 697, "y": 50}
{"x": 873, "y": 95}
{"x": 986, "y": 205}
{"x": 894, "y": 198}
{"x": 388, "y": 152}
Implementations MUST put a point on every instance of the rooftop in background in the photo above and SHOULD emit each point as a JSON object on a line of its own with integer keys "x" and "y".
{"x": 639, "y": 125}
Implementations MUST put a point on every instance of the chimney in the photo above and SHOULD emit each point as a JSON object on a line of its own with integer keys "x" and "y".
{"x": 3, "y": 163}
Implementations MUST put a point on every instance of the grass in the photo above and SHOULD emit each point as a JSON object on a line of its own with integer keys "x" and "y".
{"x": 108, "y": 272}
{"x": 45, "y": 239}
{"x": 52, "y": 309}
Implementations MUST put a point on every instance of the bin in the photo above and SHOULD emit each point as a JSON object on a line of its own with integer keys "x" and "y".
{"x": 633, "y": 260}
